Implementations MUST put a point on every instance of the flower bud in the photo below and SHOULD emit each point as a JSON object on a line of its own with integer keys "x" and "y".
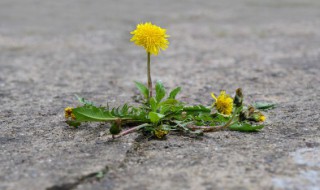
{"x": 115, "y": 127}
{"x": 68, "y": 113}
{"x": 238, "y": 99}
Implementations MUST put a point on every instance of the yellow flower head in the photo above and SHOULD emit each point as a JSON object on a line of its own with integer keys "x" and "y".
{"x": 262, "y": 118}
{"x": 151, "y": 37}
{"x": 68, "y": 113}
{"x": 160, "y": 133}
{"x": 224, "y": 103}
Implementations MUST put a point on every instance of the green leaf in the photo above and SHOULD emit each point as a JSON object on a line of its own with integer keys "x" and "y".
{"x": 143, "y": 89}
{"x": 177, "y": 107}
{"x": 169, "y": 105}
{"x": 164, "y": 109}
{"x": 84, "y": 101}
{"x": 160, "y": 91}
{"x": 153, "y": 104}
{"x": 92, "y": 113}
{"x": 245, "y": 127}
{"x": 198, "y": 108}
{"x": 174, "y": 93}
{"x": 169, "y": 102}
{"x": 220, "y": 118}
{"x": 204, "y": 117}
{"x": 155, "y": 117}
{"x": 264, "y": 105}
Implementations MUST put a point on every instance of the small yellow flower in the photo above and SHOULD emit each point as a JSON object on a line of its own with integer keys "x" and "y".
{"x": 151, "y": 37}
{"x": 257, "y": 116}
{"x": 160, "y": 133}
{"x": 224, "y": 103}
{"x": 68, "y": 113}
{"x": 262, "y": 118}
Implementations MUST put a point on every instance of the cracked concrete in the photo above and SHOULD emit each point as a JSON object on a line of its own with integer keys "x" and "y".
{"x": 51, "y": 50}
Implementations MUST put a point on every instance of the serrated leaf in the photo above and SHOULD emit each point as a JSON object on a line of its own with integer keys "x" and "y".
{"x": 160, "y": 91}
{"x": 143, "y": 89}
{"x": 264, "y": 105}
{"x": 155, "y": 117}
{"x": 245, "y": 127}
{"x": 84, "y": 101}
{"x": 115, "y": 111}
{"x": 92, "y": 113}
{"x": 174, "y": 93}
{"x": 125, "y": 109}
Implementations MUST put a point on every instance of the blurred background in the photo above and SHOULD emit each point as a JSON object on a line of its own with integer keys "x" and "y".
{"x": 62, "y": 42}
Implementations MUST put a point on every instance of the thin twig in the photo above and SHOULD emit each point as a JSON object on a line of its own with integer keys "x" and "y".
{"x": 205, "y": 128}
{"x": 208, "y": 128}
{"x": 131, "y": 130}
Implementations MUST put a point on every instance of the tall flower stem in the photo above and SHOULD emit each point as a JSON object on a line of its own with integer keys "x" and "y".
{"x": 149, "y": 76}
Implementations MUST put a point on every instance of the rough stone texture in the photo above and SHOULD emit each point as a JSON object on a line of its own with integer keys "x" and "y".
{"x": 51, "y": 50}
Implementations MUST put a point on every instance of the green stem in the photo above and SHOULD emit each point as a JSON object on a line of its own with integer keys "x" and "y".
{"x": 232, "y": 117}
{"x": 149, "y": 76}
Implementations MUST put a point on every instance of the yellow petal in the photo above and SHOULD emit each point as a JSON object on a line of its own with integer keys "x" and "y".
{"x": 213, "y": 96}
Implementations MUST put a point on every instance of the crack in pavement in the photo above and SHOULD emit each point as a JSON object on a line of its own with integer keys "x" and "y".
{"x": 94, "y": 175}
{"x": 84, "y": 179}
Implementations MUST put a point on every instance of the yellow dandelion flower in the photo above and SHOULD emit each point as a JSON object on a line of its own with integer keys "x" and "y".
{"x": 224, "y": 103}
{"x": 151, "y": 37}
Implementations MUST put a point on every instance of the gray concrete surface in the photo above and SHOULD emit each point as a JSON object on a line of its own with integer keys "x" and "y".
{"x": 51, "y": 50}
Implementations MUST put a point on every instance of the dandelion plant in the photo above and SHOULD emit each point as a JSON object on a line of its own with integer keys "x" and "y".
{"x": 163, "y": 113}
